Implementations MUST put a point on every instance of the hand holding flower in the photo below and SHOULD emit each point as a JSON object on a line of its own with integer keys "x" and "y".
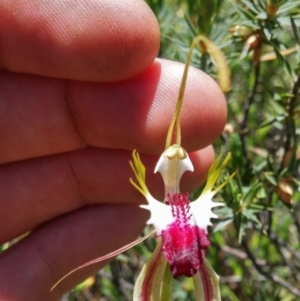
{"x": 67, "y": 134}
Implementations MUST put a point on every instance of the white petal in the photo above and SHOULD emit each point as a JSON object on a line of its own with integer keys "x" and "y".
{"x": 201, "y": 210}
{"x": 161, "y": 214}
{"x": 172, "y": 169}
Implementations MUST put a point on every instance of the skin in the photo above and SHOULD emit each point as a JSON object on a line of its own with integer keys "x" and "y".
{"x": 80, "y": 88}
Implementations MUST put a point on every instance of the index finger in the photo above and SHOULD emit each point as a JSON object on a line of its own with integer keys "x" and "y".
{"x": 104, "y": 40}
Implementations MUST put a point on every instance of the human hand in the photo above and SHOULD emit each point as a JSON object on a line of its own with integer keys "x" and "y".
{"x": 78, "y": 92}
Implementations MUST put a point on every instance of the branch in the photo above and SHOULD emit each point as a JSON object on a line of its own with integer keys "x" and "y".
{"x": 296, "y": 218}
{"x": 240, "y": 254}
{"x": 292, "y": 101}
{"x": 268, "y": 275}
{"x": 248, "y": 103}
{"x": 290, "y": 110}
{"x": 279, "y": 246}
{"x": 283, "y": 244}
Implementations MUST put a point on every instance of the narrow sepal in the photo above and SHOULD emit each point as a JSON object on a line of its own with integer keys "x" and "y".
{"x": 105, "y": 257}
{"x": 223, "y": 78}
{"x": 206, "y": 283}
{"x": 215, "y": 171}
{"x": 149, "y": 282}
{"x": 223, "y": 70}
{"x": 166, "y": 290}
{"x": 139, "y": 171}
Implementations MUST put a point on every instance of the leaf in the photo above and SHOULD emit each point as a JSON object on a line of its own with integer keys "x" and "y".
{"x": 268, "y": 32}
{"x": 288, "y": 6}
{"x": 269, "y": 122}
{"x": 296, "y": 30}
{"x": 251, "y": 217}
{"x": 262, "y": 16}
{"x": 282, "y": 61}
{"x": 251, "y": 6}
{"x": 258, "y": 207}
{"x": 251, "y": 193}
{"x": 270, "y": 177}
{"x": 292, "y": 161}
{"x": 222, "y": 225}
{"x": 244, "y": 14}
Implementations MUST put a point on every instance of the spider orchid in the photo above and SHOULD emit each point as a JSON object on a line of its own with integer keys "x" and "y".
{"x": 180, "y": 225}
{"x": 181, "y": 228}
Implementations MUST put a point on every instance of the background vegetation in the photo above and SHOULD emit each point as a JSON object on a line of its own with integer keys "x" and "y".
{"x": 255, "y": 245}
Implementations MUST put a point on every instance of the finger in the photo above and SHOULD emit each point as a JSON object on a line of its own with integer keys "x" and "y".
{"x": 38, "y": 190}
{"x": 47, "y": 116}
{"x": 31, "y": 267}
{"x": 104, "y": 40}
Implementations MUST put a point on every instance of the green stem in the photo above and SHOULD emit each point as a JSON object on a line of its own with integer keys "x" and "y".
{"x": 174, "y": 133}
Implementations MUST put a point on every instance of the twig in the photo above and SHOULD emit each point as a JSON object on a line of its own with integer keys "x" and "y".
{"x": 248, "y": 103}
{"x": 116, "y": 272}
{"x": 270, "y": 213}
{"x": 290, "y": 110}
{"x": 283, "y": 244}
{"x": 279, "y": 248}
{"x": 296, "y": 219}
{"x": 269, "y": 275}
{"x": 292, "y": 102}
{"x": 240, "y": 254}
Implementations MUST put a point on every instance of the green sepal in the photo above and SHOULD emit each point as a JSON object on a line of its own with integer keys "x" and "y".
{"x": 215, "y": 171}
{"x": 206, "y": 283}
{"x": 149, "y": 283}
{"x": 166, "y": 290}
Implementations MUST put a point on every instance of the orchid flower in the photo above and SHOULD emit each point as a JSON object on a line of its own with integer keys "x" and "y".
{"x": 180, "y": 225}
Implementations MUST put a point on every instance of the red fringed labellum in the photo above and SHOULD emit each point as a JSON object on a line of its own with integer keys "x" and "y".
{"x": 183, "y": 242}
